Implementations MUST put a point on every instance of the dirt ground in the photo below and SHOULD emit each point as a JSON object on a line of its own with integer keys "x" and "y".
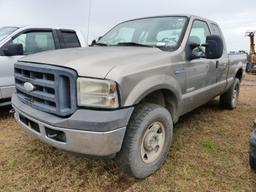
{"x": 209, "y": 153}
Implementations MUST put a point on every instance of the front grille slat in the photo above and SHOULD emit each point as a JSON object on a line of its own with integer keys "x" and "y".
{"x": 54, "y": 88}
{"x": 40, "y": 82}
{"x": 40, "y": 95}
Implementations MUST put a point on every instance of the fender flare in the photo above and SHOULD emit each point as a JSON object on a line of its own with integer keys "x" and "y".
{"x": 152, "y": 84}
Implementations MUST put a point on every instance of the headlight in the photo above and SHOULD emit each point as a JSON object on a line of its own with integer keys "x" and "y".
{"x": 97, "y": 93}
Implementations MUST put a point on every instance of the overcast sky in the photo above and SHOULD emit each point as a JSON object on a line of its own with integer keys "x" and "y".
{"x": 234, "y": 16}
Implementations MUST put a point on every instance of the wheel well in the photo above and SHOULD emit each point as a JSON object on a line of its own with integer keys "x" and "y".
{"x": 239, "y": 74}
{"x": 164, "y": 98}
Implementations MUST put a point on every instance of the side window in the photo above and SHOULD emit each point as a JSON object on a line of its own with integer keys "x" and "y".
{"x": 216, "y": 30}
{"x": 34, "y": 42}
{"x": 21, "y": 39}
{"x": 70, "y": 40}
{"x": 199, "y": 32}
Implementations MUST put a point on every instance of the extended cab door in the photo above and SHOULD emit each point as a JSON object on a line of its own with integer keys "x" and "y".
{"x": 200, "y": 73}
{"x": 33, "y": 41}
{"x": 222, "y": 63}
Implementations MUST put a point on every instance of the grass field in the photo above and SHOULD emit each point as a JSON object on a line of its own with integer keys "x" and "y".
{"x": 209, "y": 153}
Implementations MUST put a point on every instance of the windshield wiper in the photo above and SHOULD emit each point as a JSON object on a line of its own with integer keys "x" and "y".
{"x": 124, "y": 44}
{"x": 100, "y": 44}
{"x": 132, "y": 44}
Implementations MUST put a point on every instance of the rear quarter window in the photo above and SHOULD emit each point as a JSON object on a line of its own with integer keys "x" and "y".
{"x": 70, "y": 40}
{"x": 216, "y": 30}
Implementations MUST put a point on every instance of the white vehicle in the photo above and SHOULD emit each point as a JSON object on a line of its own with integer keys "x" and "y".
{"x": 16, "y": 42}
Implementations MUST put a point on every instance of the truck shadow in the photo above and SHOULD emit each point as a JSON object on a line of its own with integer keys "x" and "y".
{"x": 5, "y": 111}
{"x": 212, "y": 106}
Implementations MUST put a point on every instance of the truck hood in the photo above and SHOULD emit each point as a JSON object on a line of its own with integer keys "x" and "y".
{"x": 93, "y": 61}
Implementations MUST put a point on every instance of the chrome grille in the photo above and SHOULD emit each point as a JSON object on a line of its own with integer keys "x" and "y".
{"x": 54, "y": 87}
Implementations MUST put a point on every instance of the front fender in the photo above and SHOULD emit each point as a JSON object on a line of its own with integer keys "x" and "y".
{"x": 151, "y": 84}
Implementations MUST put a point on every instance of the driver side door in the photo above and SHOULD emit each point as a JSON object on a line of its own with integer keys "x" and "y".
{"x": 200, "y": 73}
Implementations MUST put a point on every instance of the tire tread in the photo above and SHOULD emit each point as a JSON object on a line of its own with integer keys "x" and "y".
{"x": 226, "y": 98}
{"x": 123, "y": 158}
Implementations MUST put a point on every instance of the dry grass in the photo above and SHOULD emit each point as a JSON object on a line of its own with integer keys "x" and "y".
{"x": 209, "y": 153}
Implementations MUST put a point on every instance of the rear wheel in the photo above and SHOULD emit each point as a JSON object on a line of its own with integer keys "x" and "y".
{"x": 248, "y": 67}
{"x": 230, "y": 98}
{"x": 147, "y": 141}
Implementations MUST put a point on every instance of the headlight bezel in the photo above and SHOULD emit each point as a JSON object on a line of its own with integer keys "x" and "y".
{"x": 83, "y": 104}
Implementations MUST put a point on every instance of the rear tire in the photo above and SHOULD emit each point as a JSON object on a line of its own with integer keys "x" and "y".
{"x": 229, "y": 99}
{"x": 147, "y": 141}
{"x": 248, "y": 68}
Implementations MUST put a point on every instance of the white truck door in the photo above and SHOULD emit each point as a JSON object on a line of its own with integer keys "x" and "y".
{"x": 6, "y": 75}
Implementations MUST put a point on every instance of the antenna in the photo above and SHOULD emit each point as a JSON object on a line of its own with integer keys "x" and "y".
{"x": 89, "y": 20}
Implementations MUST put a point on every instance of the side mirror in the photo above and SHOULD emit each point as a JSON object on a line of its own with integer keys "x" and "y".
{"x": 13, "y": 50}
{"x": 214, "y": 47}
{"x": 189, "y": 51}
{"x": 94, "y": 42}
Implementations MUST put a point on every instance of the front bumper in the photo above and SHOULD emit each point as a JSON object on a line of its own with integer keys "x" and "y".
{"x": 253, "y": 141}
{"x": 92, "y": 139}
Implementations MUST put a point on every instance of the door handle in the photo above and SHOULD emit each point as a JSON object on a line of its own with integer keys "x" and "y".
{"x": 220, "y": 64}
{"x": 217, "y": 64}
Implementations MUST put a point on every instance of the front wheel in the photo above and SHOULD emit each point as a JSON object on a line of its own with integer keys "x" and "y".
{"x": 230, "y": 98}
{"x": 147, "y": 141}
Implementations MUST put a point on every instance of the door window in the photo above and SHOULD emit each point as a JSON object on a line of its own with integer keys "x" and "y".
{"x": 34, "y": 42}
{"x": 198, "y": 34}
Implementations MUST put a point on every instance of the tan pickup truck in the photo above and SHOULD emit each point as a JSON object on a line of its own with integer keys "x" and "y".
{"x": 121, "y": 97}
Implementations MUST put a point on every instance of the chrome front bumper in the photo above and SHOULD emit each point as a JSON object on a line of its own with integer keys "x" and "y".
{"x": 85, "y": 142}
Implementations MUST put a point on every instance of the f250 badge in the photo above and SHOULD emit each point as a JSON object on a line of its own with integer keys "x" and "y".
{"x": 29, "y": 87}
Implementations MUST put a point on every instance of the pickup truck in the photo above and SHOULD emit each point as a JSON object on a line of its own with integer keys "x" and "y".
{"x": 121, "y": 97}
{"x": 15, "y": 42}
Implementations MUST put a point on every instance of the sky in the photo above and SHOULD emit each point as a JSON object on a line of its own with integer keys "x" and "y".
{"x": 235, "y": 17}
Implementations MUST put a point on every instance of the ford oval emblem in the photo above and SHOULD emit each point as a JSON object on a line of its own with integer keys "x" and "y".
{"x": 29, "y": 87}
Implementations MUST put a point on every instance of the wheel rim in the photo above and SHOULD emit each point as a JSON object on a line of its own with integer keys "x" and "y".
{"x": 235, "y": 95}
{"x": 152, "y": 142}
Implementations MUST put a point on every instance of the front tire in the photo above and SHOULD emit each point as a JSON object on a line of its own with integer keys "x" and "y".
{"x": 147, "y": 141}
{"x": 229, "y": 99}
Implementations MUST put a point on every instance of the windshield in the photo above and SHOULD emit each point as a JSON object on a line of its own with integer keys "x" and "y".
{"x": 6, "y": 31}
{"x": 158, "y": 31}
